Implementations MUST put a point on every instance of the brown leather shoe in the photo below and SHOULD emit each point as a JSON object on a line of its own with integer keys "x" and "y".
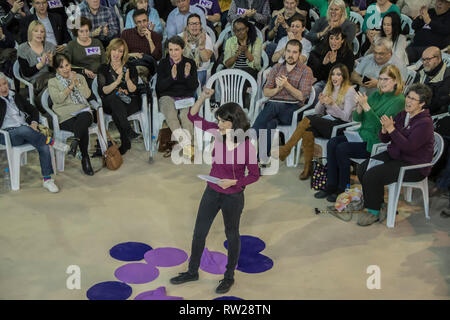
{"x": 308, "y": 150}
{"x": 307, "y": 171}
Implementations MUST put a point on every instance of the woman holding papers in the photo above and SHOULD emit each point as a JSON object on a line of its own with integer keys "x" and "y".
{"x": 337, "y": 103}
{"x": 231, "y": 155}
{"x": 389, "y": 101}
{"x": 411, "y": 142}
{"x": 69, "y": 93}
{"x": 117, "y": 83}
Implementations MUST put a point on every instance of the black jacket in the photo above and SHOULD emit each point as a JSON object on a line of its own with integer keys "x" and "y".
{"x": 31, "y": 113}
{"x": 58, "y": 24}
{"x": 179, "y": 87}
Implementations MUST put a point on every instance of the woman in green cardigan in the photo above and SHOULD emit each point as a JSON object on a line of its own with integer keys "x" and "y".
{"x": 389, "y": 101}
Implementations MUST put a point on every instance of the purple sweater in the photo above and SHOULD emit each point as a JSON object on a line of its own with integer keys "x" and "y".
{"x": 229, "y": 164}
{"x": 413, "y": 144}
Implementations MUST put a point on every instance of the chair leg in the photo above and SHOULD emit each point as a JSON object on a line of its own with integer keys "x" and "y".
{"x": 15, "y": 171}
{"x": 392, "y": 206}
{"x": 60, "y": 157}
{"x": 426, "y": 199}
{"x": 23, "y": 159}
{"x": 408, "y": 194}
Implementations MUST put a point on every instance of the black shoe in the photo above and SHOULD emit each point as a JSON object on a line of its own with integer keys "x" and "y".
{"x": 73, "y": 148}
{"x": 224, "y": 285}
{"x": 125, "y": 146}
{"x": 86, "y": 165}
{"x": 184, "y": 277}
{"x": 133, "y": 135}
{"x": 332, "y": 197}
{"x": 321, "y": 194}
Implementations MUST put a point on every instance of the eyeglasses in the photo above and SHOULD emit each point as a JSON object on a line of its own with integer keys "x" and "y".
{"x": 411, "y": 98}
{"x": 194, "y": 23}
{"x": 428, "y": 59}
{"x": 375, "y": 53}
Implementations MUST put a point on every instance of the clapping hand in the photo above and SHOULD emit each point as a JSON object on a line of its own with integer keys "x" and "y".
{"x": 361, "y": 99}
{"x": 97, "y": 31}
{"x": 387, "y": 124}
{"x": 281, "y": 81}
{"x": 105, "y": 30}
{"x": 174, "y": 71}
{"x": 187, "y": 69}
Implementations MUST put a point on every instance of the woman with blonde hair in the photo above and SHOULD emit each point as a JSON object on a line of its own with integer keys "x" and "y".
{"x": 117, "y": 83}
{"x": 336, "y": 101}
{"x": 336, "y": 17}
{"x": 35, "y": 58}
{"x": 388, "y": 100}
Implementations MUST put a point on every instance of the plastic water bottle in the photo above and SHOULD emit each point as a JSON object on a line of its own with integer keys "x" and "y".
{"x": 347, "y": 189}
{"x": 6, "y": 181}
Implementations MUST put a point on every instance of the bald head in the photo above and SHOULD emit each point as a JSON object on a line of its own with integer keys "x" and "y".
{"x": 431, "y": 58}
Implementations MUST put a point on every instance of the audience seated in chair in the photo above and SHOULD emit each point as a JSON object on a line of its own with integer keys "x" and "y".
{"x": 411, "y": 8}
{"x": 20, "y": 119}
{"x": 290, "y": 81}
{"x": 211, "y": 9}
{"x": 177, "y": 19}
{"x": 11, "y": 14}
{"x": 411, "y": 143}
{"x": 8, "y": 53}
{"x": 391, "y": 28}
{"x": 69, "y": 93}
{"x": 281, "y": 20}
{"x": 153, "y": 17}
{"x": 176, "y": 81}
{"x": 258, "y": 11}
{"x": 387, "y": 100}
{"x": 431, "y": 28}
{"x": 435, "y": 73}
{"x": 85, "y": 53}
{"x": 338, "y": 101}
{"x": 117, "y": 83}
{"x": 376, "y": 12}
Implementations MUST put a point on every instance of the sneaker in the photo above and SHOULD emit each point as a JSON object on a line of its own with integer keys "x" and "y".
{"x": 366, "y": 219}
{"x": 184, "y": 277}
{"x": 50, "y": 186}
{"x": 58, "y": 145}
{"x": 224, "y": 285}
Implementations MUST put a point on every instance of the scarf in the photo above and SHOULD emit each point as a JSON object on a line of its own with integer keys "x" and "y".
{"x": 75, "y": 94}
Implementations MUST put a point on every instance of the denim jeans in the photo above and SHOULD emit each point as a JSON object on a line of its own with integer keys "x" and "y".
{"x": 274, "y": 114}
{"x": 339, "y": 152}
{"x": 25, "y": 134}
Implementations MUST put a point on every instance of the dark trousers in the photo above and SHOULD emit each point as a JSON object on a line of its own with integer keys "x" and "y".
{"x": 273, "y": 114}
{"x": 339, "y": 152}
{"x": 79, "y": 125}
{"x": 374, "y": 180}
{"x": 120, "y": 111}
{"x": 231, "y": 206}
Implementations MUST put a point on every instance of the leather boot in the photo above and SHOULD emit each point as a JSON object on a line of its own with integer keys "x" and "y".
{"x": 308, "y": 150}
{"x": 293, "y": 140}
{"x": 86, "y": 165}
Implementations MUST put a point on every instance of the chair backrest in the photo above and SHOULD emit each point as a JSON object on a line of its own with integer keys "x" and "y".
{"x": 223, "y": 36}
{"x": 446, "y": 58}
{"x": 355, "y": 46}
{"x": 211, "y": 34}
{"x": 313, "y": 16}
{"x": 438, "y": 147}
{"x": 407, "y": 21}
{"x": 357, "y": 19}
{"x": 410, "y": 78}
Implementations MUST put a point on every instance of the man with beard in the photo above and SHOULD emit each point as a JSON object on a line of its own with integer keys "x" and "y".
{"x": 435, "y": 74}
{"x": 288, "y": 87}
{"x": 144, "y": 45}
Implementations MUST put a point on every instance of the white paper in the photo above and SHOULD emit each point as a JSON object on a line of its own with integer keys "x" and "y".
{"x": 373, "y": 163}
{"x": 184, "y": 103}
{"x": 209, "y": 178}
{"x": 353, "y": 136}
{"x": 328, "y": 117}
{"x": 82, "y": 110}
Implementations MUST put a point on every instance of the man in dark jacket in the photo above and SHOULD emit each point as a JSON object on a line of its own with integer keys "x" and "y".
{"x": 432, "y": 28}
{"x": 435, "y": 74}
{"x": 55, "y": 26}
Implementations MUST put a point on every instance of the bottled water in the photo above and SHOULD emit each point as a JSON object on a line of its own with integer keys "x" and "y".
{"x": 6, "y": 181}
{"x": 347, "y": 189}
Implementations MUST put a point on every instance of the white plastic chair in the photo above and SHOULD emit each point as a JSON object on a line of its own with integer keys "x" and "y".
{"x": 63, "y": 135}
{"x": 410, "y": 79}
{"x": 395, "y": 188}
{"x": 28, "y": 84}
{"x": 211, "y": 34}
{"x": 355, "y": 46}
{"x": 259, "y": 77}
{"x": 357, "y": 19}
{"x": 288, "y": 130}
{"x": 226, "y": 33}
{"x": 446, "y": 58}
{"x": 141, "y": 117}
{"x": 313, "y": 16}
{"x": 407, "y": 21}
{"x": 17, "y": 156}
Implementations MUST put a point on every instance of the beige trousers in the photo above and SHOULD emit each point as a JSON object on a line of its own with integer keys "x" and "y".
{"x": 167, "y": 107}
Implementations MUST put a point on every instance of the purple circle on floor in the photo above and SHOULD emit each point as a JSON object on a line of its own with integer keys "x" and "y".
{"x": 254, "y": 263}
{"x": 158, "y": 294}
{"x": 129, "y": 251}
{"x": 109, "y": 290}
{"x": 165, "y": 257}
{"x": 213, "y": 262}
{"x": 136, "y": 273}
{"x": 249, "y": 244}
{"x": 228, "y": 298}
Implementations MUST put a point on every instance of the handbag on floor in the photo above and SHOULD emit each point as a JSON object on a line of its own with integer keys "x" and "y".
{"x": 112, "y": 159}
{"x": 319, "y": 174}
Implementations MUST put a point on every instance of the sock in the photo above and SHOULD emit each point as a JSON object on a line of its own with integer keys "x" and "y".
{"x": 374, "y": 212}
{"x": 47, "y": 178}
{"x": 50, "y": 141}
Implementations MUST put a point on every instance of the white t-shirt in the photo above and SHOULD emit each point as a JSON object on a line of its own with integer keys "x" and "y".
{"x": 208, "y": 46}
{"x": 306, "y": 47}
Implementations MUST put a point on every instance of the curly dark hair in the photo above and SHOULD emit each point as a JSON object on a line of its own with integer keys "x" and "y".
{"x": 251, "y": 35}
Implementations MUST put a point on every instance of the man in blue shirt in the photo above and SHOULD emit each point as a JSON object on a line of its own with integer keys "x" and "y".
{"x": 176, "y": 21}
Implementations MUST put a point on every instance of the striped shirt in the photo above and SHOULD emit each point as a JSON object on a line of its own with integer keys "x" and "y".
{"x": 301, "y": 77}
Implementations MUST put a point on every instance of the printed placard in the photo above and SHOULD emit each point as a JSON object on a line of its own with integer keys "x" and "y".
{"x": 55, "y": 4}
{"x": 241, "y": 11}
{"x": 92, "y": 51}
{"x": 206, "y": 4}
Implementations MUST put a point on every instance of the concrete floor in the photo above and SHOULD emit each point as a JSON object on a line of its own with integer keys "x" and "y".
{"x": 315, "y": 257}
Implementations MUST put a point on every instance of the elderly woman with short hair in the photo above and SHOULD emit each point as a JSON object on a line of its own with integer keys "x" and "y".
{"x": 411, "y": 143}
